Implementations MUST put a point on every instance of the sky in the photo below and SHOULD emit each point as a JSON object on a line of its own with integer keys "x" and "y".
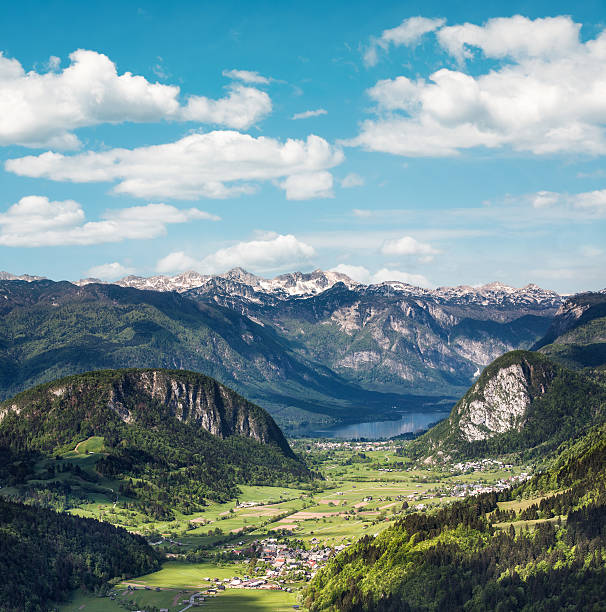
{"x": 434, "y": 143}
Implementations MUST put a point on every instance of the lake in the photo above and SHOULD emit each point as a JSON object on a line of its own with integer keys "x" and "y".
{"x": 374, "y": 430}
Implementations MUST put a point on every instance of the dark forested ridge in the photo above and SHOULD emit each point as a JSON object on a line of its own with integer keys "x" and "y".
{"x": 577, "y": 336}
{"x": 45, "y": 555}
{"x": 172, "y": 438}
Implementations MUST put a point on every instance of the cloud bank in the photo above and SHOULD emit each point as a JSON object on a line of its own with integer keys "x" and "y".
{"x": 217, "y": 164}
{"x": 35, "y": 221}
{"x": 43, "y": 109}
{"x": 539, "y": 89}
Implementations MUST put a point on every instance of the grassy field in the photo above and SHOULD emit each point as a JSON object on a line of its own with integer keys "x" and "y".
{"x": 175, "y": 574}
{"x": 240, "y": 600}
{"x": 364, "y": 492}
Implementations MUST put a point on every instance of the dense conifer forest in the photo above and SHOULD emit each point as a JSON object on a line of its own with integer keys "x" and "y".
{"x": 45, "y": 555}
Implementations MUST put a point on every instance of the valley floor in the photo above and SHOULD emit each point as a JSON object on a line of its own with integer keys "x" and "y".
{"x": 258, "y": 553}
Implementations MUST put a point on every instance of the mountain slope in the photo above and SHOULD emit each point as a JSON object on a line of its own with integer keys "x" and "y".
{"x": 173, "y": 438}
{"x": 577, "y": 335}
{"x": 523, "y": 401}
{"x": 393, "y": 336}
{"x": 44, "y": 556}
{"x": 50, "y": 329}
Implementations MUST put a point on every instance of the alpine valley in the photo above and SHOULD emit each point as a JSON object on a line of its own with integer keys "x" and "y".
{"x": 133, "y": 480}
{"x": 311, "y": 348}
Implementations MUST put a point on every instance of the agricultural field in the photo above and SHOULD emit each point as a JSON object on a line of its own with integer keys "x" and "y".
{"x": 279, "y": 535}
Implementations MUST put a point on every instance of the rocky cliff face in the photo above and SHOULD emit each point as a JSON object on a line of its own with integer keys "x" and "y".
{"x": 499, "y": 400}
{"x": 395, "y": 337}
{"x": 137, "y": 396}
{"x": 196, "y": 400}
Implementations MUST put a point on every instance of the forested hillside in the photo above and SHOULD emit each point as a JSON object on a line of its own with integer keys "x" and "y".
{"x": 171, "y": 439}
{"x": 523, "y": 402}
{"x": 489, "y": 552}
{"x": 45, "y": 555}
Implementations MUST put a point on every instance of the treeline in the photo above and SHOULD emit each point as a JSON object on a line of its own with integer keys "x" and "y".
{"x": 44, "y": 556}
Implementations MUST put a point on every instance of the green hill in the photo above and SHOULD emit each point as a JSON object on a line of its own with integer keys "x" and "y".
{"x": 522, "y": 402}
{"x": 169, "y": 439}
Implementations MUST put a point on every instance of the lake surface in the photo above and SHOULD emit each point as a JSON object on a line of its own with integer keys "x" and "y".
{"x": 410, "y": 422}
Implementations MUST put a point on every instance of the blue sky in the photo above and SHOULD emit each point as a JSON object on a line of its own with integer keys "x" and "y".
{"x": 423, "y": 142}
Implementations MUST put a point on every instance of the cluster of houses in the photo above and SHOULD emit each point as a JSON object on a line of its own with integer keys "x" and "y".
{"x": 480, "y": 465}
{"x": 278, "y": 562}
{"x": 382, "y": 445}
{"x": 475, "y": 488}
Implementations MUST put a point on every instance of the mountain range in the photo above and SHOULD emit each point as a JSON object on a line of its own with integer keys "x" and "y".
{"x": 315, "y": 348}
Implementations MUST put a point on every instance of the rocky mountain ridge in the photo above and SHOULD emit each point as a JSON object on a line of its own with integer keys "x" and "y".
{"x": 302, "y": 285}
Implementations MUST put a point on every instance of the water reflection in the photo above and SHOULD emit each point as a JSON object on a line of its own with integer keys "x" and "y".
{"x": 409, "y": 423}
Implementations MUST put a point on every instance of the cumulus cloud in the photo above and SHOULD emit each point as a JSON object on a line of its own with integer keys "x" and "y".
{"x": 408, "y": 33}
{"x": 543, "y": 93}
{"x": 43, "y": 109}
{"x": 308, "y": 186}
{"x": 273, "y": 252}
{"x": 217, "y": 164}
{"x": 36, "y": 221}
{"x": 109, "y": 271}
{"x": 310, "y": 113}
{"x": 591, "y": 200}
{"x": 363, "y": 275}
{"x": 352, "y": 180}
{"x": 407, "y": 245}
{"x": 247, "y": 76}
{"x": 385, "y": 274}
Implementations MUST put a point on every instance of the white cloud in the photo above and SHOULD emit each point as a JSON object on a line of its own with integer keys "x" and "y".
{"x": 407, "y": 245}
{"x": 109, "y": 271}
{"x": 592, "y": 200}
{"x": 517, "y": 37}
{"x": 546, "y": 94}
{"x": 588, "y": 204}
{"x": 177, "y": 261}
{"x": 310, "y": 113}
{"x": 274, "y": 252}
{"x": 242, "y": 107}
{"x": 308, "y": 186}
{"x": 363, "y": 275}
{"x": 44, "y": 109}
{"x": 362, "y": 213}
{"x": 385, "y": 274}
{"x": 217, "y": 164}
{"x": 589, "y": 250}
{"x": 542, "y": 199}
{"x": 352, "y": 180}
{"x": 408, "y": 33}
{"x": 36, "y": 221}
{"x": 358, "y": 273}
{"x": 247, "y": 76}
